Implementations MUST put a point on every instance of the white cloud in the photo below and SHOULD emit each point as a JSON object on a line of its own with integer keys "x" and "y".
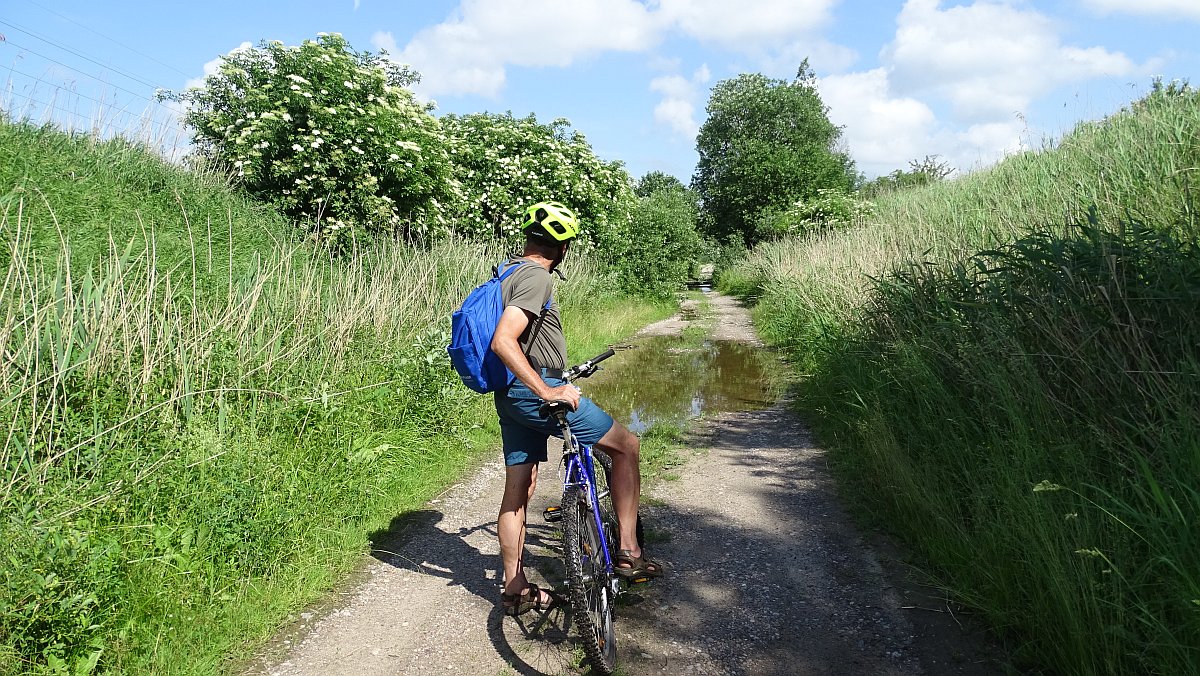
{"x": 469, "y": 52}
{"x": 677, "y": 109}
{"x": 212, "y": 67}
{"x": 882, "y": 132}
{"x": 989, "y": 59}
{"x": 1167, "y": 8}
{"x": 981, "y": 145}
{"x": 747, "y": 24}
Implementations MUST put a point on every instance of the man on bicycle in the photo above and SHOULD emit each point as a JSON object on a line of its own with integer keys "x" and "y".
{"x": 529, "y": 340}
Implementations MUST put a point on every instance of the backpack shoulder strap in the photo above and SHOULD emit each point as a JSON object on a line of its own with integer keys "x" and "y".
{"x": 507, "y": 267}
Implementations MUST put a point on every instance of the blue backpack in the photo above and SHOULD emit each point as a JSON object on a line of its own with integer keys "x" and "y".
{"x": 471, "y": 329}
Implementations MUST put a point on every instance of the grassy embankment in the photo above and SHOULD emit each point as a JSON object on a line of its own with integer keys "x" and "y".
{"x": 1018, "y": 395}
{"x": 203, "y": 419}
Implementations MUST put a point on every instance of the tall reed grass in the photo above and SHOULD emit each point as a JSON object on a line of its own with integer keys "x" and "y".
{"x": 1007, "y": 371}
{"x": 202, "y": 418}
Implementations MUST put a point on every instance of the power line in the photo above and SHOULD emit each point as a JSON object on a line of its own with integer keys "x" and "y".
{"x": 112, "y": 40}
{"x": 51, "y": 109}
{"x": 85, "y": 74}
{"x": 75, "y": 93}
{"x": 82, "y": 56}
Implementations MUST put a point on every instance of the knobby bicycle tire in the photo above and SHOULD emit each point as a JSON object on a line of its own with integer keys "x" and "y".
{"x": 592, "y": 600}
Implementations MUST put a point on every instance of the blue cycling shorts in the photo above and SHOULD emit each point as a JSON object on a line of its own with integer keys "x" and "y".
{"x": 525, "y": 431}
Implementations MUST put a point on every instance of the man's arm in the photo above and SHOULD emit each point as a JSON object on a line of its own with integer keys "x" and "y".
{"x": 513, "y": 321}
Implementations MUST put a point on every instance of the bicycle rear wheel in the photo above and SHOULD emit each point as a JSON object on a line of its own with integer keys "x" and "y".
{"x": 592, "y": 598}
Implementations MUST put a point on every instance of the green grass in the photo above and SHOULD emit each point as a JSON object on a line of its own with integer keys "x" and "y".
{"x": 1005, "y": 368}
{"x": 203, "y": 424}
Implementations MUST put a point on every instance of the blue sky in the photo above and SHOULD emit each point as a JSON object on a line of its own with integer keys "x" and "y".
{"x": 969, "y": 81}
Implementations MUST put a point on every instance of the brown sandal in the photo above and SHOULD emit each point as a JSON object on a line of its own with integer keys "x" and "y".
{"x": 529, "y": 599}
{"x": 637, "y": 568}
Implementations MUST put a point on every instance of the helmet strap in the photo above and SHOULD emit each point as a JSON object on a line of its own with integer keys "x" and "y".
{"x": 562, "y": 254}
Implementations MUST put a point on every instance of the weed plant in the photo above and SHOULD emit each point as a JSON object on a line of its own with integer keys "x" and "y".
{"x": 202, "y": 422}
{"x": 1006, "y": 368}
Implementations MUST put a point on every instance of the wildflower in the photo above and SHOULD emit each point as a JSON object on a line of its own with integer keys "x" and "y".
{"x": 297, "y": 147}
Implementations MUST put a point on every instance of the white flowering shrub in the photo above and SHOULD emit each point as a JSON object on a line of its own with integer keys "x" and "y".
{"x": 330, "y": 135}
{"x": 503, "y": 164}
{"x": 830, "y": 208}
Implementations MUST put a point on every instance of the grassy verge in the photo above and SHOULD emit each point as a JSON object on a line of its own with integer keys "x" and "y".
{"x": 1005, "y": 367}
{"x": 204, "y": 420}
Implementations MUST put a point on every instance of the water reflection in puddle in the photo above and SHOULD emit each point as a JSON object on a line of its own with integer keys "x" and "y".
{"x": 671, "y": 379}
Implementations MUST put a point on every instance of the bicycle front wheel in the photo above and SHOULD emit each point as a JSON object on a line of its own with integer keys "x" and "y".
{"x": 592, "y": 599}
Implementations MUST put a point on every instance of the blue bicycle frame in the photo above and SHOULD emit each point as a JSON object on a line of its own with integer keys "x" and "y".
{"x": 581, "y": 473}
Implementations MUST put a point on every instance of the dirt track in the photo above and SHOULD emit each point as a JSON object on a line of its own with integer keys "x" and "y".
{"x": 768, "y": 576}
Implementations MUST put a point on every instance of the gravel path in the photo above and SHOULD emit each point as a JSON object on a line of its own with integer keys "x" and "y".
{"x": 768, "y": 575}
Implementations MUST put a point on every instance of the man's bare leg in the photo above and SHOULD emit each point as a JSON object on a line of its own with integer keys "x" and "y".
{"x": 624, "y": 448}
{"x": 519, "y": 484}
{"x": 520, "y": 481}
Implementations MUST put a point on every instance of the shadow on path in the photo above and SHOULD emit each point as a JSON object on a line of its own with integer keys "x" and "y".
{"x": 417, "y": 541}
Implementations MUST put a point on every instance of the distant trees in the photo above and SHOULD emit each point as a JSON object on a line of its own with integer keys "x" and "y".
{"x": 766, "y": 144}
{"x": 655, "y": 181}
{"x": 931, "y": 169}
{"x": 664, "y": 243}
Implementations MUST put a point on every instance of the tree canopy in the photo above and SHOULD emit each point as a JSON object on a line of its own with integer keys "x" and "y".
{"x": 655, "y": 181}
{"x": 766, "y": 144}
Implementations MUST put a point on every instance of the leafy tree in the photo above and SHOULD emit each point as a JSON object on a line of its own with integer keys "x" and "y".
{"x": 330, "y": 135}
{"x": 766, "y": 143}
{"x": 663, "y": 243}
{"x": 654, "y": 181}
{"x": 502, "y": 164}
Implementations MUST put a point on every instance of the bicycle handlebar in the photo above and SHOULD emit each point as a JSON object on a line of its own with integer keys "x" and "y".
{"x": 582, "y": 370}
{"x": 588, "y": 367}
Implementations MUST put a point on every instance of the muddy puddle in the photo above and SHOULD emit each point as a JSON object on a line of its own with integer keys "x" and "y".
{"x": 671, "y": 379}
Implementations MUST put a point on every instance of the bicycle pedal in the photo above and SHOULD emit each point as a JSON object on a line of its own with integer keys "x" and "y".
{"x": 552, "y": 514}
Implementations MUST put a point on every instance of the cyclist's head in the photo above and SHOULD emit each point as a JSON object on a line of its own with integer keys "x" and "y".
{"x": 550, "y": 223}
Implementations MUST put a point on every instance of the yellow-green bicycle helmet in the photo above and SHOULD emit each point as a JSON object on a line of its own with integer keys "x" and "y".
{"x": 550, "y": 221}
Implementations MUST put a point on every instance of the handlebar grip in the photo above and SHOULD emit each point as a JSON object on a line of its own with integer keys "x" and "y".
{"x": 602, "y": 356}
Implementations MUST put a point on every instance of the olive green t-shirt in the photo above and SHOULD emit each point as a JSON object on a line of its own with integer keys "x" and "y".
{"x": 529, "y": 287}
